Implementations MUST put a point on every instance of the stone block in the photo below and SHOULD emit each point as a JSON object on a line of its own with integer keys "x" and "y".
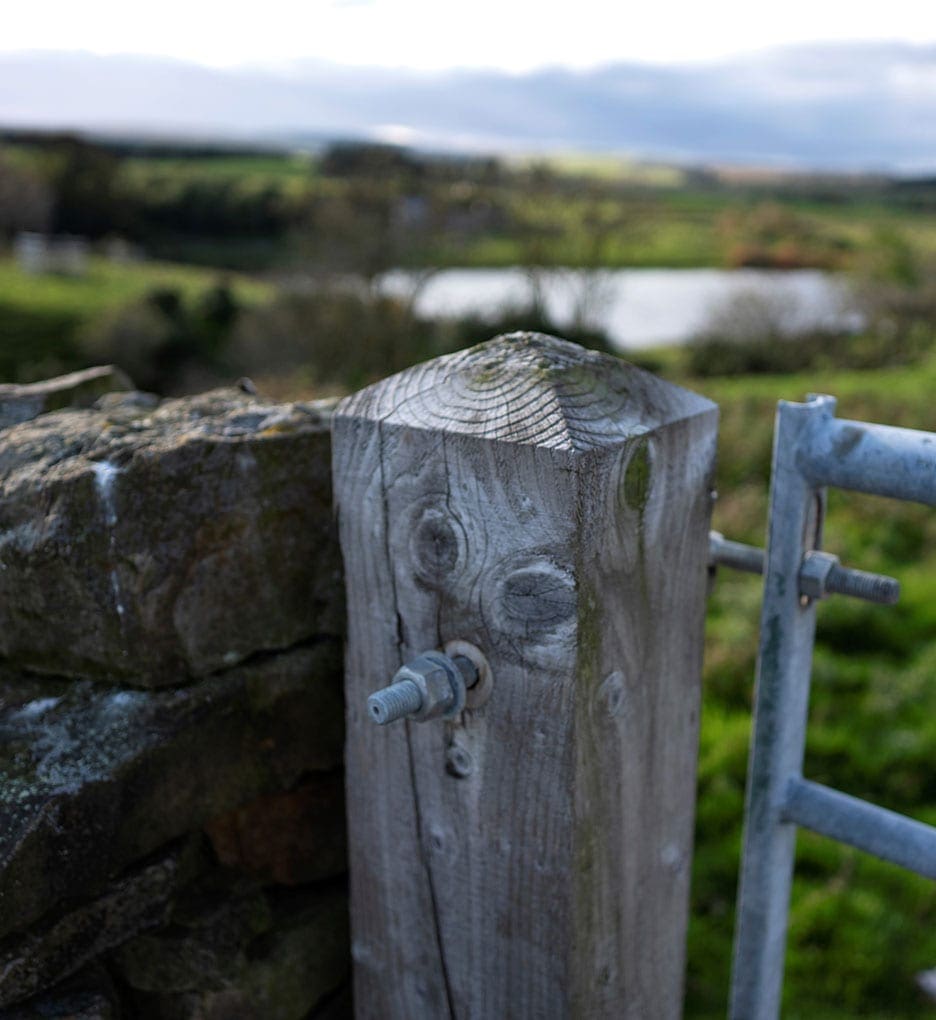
{"x": 147, "y": 545}
{"x": 339, "y": 1006}
{"x": 47, "y": 954}
{"x": 93, "y": 778}
{"x": 23, "y": 402}
{"x": 87, "y": 995}
{"x": 228, "y": 960}
{"x": 289, "y": 837}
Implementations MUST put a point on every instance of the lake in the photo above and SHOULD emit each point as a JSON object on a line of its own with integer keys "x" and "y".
{"x": 643, "y": 307}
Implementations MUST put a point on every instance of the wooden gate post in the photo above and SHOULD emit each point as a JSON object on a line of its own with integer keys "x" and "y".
{"x": 530, "y": 857}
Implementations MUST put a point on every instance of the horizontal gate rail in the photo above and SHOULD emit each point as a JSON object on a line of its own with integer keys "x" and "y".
{"x": 877, "y": 459}
{"x": 886, "y": 834}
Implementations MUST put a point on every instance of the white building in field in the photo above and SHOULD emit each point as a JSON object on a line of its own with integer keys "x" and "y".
{"x": 63, "y": 254}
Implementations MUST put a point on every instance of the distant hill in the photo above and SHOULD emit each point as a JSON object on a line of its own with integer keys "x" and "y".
{"x": 844, "y": 107}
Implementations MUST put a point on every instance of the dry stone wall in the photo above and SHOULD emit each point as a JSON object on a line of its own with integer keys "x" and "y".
{"x": 172, "y": 840}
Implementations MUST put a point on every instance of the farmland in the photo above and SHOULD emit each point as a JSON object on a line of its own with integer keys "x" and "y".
{"x": 240, "y": 253}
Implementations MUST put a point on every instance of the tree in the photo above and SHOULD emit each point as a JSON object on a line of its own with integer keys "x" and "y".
{"x": 87, "y": 198}
{"x": 25, "y": 199}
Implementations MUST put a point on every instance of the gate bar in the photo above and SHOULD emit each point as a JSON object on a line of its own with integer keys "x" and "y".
{"x": 878, "y": 459}
{"x": 781, "y": 701}
{"x": 886, "y": 834}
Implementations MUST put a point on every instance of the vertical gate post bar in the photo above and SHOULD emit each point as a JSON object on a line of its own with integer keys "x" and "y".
{"x": 780, "y": 717}
{"x": 529, "y": 856}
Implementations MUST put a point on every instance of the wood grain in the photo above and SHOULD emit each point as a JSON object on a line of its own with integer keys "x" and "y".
{"x": 550, "y": 505}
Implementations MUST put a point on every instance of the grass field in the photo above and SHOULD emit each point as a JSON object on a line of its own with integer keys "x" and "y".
{"x": 660, "y": 217}
{"x": 42, "y": 317}
{"x": 672, "y": 227}
{"x": 570, "y": 209}
{"x": 606, "y": 167}
{"x": 107, "y": 285}
{"x": 262, "y": 169}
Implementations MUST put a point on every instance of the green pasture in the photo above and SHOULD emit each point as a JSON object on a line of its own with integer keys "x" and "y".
{"x": 686, "y": 227}
{"x": 42, "y": 317}
{"x": 108, "y": 284}
{"x": 569, "y": 209}
{"x": 606, "y": 167}
{"x": 265, "y": 169}
{"x": 165, "y": 178}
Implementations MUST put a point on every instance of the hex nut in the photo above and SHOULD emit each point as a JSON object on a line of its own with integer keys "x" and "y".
{"x": 814, "y": 573}
{"x": 440, "y": 683}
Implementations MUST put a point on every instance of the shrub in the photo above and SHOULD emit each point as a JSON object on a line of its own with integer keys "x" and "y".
{"x": 165, "y": 344}
{"x": 347, "y": 336}
{"x": 753, "y": 334}
{"x": 333, "y": 335}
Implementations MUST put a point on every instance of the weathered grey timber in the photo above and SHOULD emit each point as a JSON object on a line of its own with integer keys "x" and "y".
{"x": 550, "y": 505}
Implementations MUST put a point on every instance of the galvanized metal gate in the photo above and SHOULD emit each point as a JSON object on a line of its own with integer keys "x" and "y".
{"x": 812, "y": 449}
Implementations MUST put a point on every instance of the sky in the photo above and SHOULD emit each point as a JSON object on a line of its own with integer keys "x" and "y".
{"x": 507, "y": 35}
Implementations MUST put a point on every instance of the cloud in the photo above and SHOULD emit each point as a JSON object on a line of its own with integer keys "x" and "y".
{"x": 845, "y": 106}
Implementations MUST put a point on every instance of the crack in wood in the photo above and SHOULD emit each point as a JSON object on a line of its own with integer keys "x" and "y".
{"x": 427, "y": 864}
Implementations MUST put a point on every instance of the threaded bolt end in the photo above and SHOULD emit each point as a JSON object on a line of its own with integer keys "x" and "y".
{"x": 394, "y": 702}
{"x": 863, "y": 585}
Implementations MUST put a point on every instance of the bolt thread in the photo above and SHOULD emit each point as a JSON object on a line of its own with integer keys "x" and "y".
{"x": 394, "y": 702}
{"x": 863, "y": 585}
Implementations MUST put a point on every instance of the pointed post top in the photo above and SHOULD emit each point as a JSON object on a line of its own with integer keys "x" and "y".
{"x": 530, "y": 389}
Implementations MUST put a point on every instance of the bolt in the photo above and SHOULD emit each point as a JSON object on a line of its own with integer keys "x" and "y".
{"x": 432, "y": 684}
{"x": 468, "y": 670}
{"x": 863, "y": 585}
{"x": 394, "y": 702}
{"x": 734, "y": 554}
{"x": 814, "y": 574}
{"x": 458, "y": 761}
{"x": 821, "y": 574}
